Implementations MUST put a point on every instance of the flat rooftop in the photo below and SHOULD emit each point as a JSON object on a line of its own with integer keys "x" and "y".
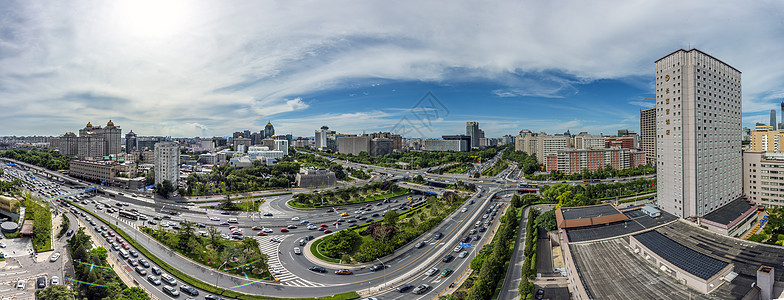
{"x": 570, "y": 217}
{"x": 729, "y": 212}
{"x": 691, "y": 261}
{"x": 637, "y": 221}
{"x": 610, "y": 270}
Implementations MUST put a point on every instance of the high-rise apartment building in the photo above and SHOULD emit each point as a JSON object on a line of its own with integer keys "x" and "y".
{"x": 322, "y": 137}
{"x": 167, "y": 160}
{"x": 130, "y": 142}
{"x": 472, "y": 130}
{"x": 766, "y": 139}
{"x": 588, "y": 141}
{"x": 548, "y": 144}
{"x": 698, "y": 129}
{"x": 648, "y": 134}
{"x": 773, "y": 119}
{"x": 526, "y": 142}
{"x": 93, "y": 141}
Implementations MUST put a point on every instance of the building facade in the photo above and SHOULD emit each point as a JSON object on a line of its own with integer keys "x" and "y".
{"x": 130, "y": 142}
{"x": 698, "y": 128}
{"x": 588, "y": 141}
{"x": 526, "y": 142}
{"x": 576, "y": 160}
{"x": 445, "y": 145}
{"x": 353, "y": 144}
{"x": 766, "y": 139}
{"x": 472, "y": 130}
{"x": 648, "y": 134}
{"x": 763, "y": 178}
{"x": 549, "y": 144}
{"x": 626, "y": 142}
{"x": 245, "y": 143}
{"x": 167, "y": 160}
{"x": 313, "y": 177}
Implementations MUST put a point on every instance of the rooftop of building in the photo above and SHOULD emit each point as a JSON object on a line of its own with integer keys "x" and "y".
{"x": 637, "y": 221}
{"x": 691, "y": 261}
{"x": 706, "y": 54}
{"x": 731, "y": 211}
{"x": 570, "y": 217}
{"x": 609, "y": 270}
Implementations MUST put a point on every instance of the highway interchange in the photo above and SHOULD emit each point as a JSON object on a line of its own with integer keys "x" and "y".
{"x": 407, "y": 265}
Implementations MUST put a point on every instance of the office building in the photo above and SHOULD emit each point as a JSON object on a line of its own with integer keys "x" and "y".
{"x": 459, "y": 137}
{"x": 549, "y": 144}
{"x": 765, "y": 139}
{"x": 353, "y": 144}
{"x": 397, "y": 140}
{"x": 472, "y": 130}
{"x": 773, "y": 118}
{"x": 526, "y": 142}
{"x": 588, "y": 141}
{"x": 380, "y": 146}
{"x": 219, "y": 141}
{"x": 240, "y": 141}
{"x": 167, "y": 160}
{"x": 269, "y": 130}
{"x": 576, "y": 160}
{"x": 456, "y": 145}
{"x": 626, "y": 142}
{"x": 698, "y": 128}
{"x": 130, "y": 142}
{"x": 282, "y": 146}
{"x": 763, "y": 179}
{"x": 315, "y": 177}
{"x": 648, "y": 134}
{"x": 321, "y": 138}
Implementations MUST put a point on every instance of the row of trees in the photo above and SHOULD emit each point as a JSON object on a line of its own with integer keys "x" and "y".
{"x": 581, "y": 195}
{"x": 105, "y": 284}
{"x": 607, "y": 172}
{"x": 496, "y": 168}
{"x": 490, "y": 262}
{"x": 526, "y": 287}
{"x": 214, "y": 250}
{"x": 310, "y": 160}
{"x": 358, "y": 174}
{"x": 457, "y": 168}
{"x": 526, "y": 163}
{"x": 226, "y": 179}
{"x": 347, "y": 195}
{"x": 416, "y": 159}
{"x": 45, "y": 158}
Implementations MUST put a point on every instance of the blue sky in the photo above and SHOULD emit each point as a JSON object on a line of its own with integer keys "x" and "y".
{"x": 204, "y": 68}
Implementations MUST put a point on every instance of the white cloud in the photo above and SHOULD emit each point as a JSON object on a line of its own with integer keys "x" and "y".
{"x": 643, "y": 104}
{"x": 234, "y": 65}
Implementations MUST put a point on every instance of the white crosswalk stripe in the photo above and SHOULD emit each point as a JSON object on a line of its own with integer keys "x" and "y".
{"x": 286, "y": 278}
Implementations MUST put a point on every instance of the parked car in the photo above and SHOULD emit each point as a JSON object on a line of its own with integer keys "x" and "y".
{"x": 55, "y": 280}
{"x": 53, "y": 258}
{"x": 41, "y": 283}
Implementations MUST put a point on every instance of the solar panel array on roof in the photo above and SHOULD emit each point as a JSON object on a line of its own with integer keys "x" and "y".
{"x": 691, "y": 261}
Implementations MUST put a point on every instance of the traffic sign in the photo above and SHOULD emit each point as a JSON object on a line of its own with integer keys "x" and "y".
{"x": 465, "y": 245}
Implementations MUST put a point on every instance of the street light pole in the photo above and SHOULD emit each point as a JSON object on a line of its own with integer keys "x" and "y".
{"x": 385, "y": 272}
{"x": 216, "y": 275}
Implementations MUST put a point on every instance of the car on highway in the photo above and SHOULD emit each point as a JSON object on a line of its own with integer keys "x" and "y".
{"x": 476, "y": 237}
{"x": 144, "y": 263}
{"x": 53, "y": 258}
{"x": 457, "y": 249}
{"x": 345, "y": 214}
{"x": 189, "y": 290}
{"x": 463, "y": 254}
{"x": 327, "y": 231}
{"x": 431, "y": 271}
{"x": 297, "y": 251}
{"x": 317, "y": 269}
{"x": 284, "y": 230}
{"x": 155, "y": 270}
{"x": 466, "y": 239}
{"x": 295, "y": 219}
{"x": 133, "y": 253}
{"x": 446, "y": 272}
{"x": 482, "y": 229}
{"x": 312, "y": 227}
{"x": 422, "y": 288}
{"x": 292, "y": 226}
{"x": 267, "y": 214}
{"x": 133, "y": 262}
{"x": 464, "y": 209}
{"x": 438, "y": 235}
{"x": 303, "y": 222}
{"x": 377, "y": 267}
{"x": 171, "y": 291}
{"x": 404, "y": 288}
{"x": 448, "y": 258}
{"x": 267, "y": 230}
{"x": 140, "y": 270}
{"x": 343, "y": 272}
{"x": 261, "y": 233}
{"x": 302, "y": 242}
{"x": 212, "y": 297}
{"x": 211, "y": 218}
{"x": 419, "y": 245}
{"x": 257, "y": 228}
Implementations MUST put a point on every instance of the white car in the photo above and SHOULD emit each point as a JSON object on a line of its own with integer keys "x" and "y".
{"x": 464, "y": 209}
{"x": 266, "y": 230}
{"x": 431, "y": 272}
{"x": 458, "y": 249}
{"x": 214, "y": 219}
{"x": 54, "y": 257}
{"x": 2, "y": 245}
{"x": 20, "y": 284}
{"x": 295, "y": 219}
{"x": 276, "y": 271}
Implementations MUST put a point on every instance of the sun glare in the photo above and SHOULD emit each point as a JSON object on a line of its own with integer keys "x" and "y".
{"x": 151, "y": 18}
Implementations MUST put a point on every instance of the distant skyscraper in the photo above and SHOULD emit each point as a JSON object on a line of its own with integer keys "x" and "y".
{"x": 648, "y": 134}
{"x": 130, "y": 142}
{"x": 269, "y": 130}
{"x": 472, "y": 130}
{"x": 167, "y": 160}
{"x": 698, "y": 114}
{"x": 773, "y": 119}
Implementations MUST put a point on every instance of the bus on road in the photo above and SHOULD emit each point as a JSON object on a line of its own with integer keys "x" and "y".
{"x": 129, "y": 215}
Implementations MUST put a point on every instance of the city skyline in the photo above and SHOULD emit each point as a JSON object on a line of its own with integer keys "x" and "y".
{"x": 206, "y": 69}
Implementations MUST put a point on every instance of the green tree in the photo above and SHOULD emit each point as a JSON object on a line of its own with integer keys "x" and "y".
{"x": 164, "y": 189}
{"x": 56, "y": 292}
{"x": 185, "y": 234}
{"x": 227, "y": 204}
{"x": 547, "y": 220}
{"x": 215, "y": 237}
{"x": 391, "y": 218}
{"x": 133, "y": 293}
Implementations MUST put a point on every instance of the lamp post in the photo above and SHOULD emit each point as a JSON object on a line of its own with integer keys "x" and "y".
{"x": 385, "y": 272}
{"x": 216, "y": 277}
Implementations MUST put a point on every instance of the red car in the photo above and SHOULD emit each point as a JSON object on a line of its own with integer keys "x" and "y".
{"x": 327, "y": 231}
{"x": 323, "y": 225}
{"x": 284, "y": 230}
{"x": 336, "y": 223}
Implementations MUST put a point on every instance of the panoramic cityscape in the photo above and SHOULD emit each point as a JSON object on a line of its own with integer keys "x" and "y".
{"x": 239, "y": 150}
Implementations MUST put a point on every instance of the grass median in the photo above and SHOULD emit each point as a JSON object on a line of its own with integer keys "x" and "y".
{"x": 198, "y": 283}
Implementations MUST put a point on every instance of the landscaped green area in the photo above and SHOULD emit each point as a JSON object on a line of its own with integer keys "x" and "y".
{"x": 581, "y": 195}
{"x": 496, "y": 168}
{"x": 773, "y": 232}
{"x": 526, "y": 287}
{"x": 225, "y": 179}
{"x": 45, "y": 158}
{"x": 213, "y": 250}
{"x": 526, "y": 163}
{"x": 462, "y": 186}
{"x": 91, "y": 267}
{"x": 198, "y": 283}
{"x": 458, "y": 168}
{"x": 378, "y": 239}
{"x": 38, "y": 211}
{"x": 351, "y": 195}
{"x": 358, "y": 174}
{"x": 236, "y": 198}
{"x": 64, "y": 224}
{"x": 415, "y": 159}
{"x": 228, "y": 203}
